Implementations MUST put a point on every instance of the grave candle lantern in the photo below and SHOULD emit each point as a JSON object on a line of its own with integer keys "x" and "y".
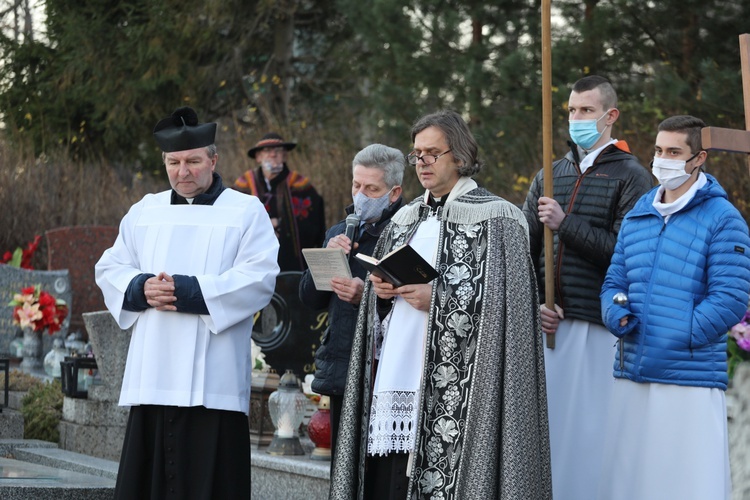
{"x": 319, "y": 430}
{"x": 287, "y": 408}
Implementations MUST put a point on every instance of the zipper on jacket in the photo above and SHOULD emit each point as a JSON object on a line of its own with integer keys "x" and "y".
{"x": 560, "y": 244}
{"x": 647, "y": 301}
{"x": 622, "y": 354}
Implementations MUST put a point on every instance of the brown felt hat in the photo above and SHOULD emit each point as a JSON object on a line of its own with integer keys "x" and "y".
{"x": 271, "y": 140}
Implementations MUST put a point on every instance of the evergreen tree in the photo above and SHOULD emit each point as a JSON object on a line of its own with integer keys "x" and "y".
{"x": 359, "y": 71}
{"x": 106, "y": 69}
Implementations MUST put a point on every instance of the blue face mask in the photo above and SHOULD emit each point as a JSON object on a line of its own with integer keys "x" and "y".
{"x": 370, "y": 209}
{"x": 584, "y": 132}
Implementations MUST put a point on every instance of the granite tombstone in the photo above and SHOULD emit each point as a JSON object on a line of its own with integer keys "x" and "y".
{"x": 96, "y": 426}
{"x": 77, "y": 249}
{"x": 12, "y": 280}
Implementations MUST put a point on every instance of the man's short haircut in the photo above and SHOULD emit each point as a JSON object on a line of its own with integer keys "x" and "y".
{"x": 688, "y": 125}
{"x": 607, "y": 91}
{"x": 460, "y": 140}
{"x": 390, "y": 160}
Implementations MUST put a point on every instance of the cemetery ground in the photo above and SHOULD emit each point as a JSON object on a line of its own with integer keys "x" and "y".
{"x": 32, "y": 464}
{"x": 54, "y": 445}
{"x": 35, "y": 464}
{"x": 42, "y": 469}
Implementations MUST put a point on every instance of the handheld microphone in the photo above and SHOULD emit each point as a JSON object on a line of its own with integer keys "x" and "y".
{"x": 620, "y": 299}
{"x": 352, "y": 224}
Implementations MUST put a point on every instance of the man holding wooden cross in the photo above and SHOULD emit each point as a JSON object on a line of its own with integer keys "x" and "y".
{"x": 595, "y": 185}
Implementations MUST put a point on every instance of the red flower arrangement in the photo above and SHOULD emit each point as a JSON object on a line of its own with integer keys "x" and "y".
{"x": 38, "y": 309}
{"x": 21, "y": 257}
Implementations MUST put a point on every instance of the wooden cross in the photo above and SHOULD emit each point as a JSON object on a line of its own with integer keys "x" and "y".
{"x": 727, "y": 139}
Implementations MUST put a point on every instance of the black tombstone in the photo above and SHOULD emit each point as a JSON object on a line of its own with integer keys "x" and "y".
{"x": 287, "y": 331}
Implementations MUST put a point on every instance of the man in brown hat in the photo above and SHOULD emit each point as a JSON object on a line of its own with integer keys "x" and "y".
{"x": 295, "y": 208}
{"x": 187, "y": 273}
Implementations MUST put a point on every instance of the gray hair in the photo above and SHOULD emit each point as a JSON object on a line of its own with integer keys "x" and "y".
{"x": 390, "y": 160}
{"x": 461, "y": 142}
{"x": 211, "y": 151}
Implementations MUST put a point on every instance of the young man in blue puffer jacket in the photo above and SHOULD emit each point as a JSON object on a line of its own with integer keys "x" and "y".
{"x": 682, "y": 261}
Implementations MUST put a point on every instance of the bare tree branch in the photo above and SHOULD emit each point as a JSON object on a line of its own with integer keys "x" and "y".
{"x": 15, "y": 5}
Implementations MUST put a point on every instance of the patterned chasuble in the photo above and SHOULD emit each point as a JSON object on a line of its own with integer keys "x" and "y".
{"x": 482, "y": 421}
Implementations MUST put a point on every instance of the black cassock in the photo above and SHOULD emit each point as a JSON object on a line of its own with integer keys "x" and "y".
{"x": 184, "y": 453}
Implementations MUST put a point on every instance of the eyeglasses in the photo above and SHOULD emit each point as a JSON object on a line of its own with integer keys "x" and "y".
{"x": 413, "y": 158}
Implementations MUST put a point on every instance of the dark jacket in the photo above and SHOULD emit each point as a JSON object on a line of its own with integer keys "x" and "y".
{"x": 292, "y": 200}
{"x": 332, "y": 357}
{"x": 595, "y": 204}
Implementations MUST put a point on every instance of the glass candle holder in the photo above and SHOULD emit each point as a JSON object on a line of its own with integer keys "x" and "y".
{"x": 287, "y": 408}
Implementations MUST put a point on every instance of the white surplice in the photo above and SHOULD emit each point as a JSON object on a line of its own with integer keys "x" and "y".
{"x": 181, "y": 359}
{"x": 579, "y": 388}
{"x": 666, "y": 441}
{"x": 395, "y": 400}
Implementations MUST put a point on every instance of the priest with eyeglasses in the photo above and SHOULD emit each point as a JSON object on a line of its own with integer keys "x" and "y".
{"x": 445, "y": 395}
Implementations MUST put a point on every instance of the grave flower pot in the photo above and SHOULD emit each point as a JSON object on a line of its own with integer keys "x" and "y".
{"x": 32, "y": 350}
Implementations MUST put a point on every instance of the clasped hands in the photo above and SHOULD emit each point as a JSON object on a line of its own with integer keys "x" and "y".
{"x": 159, "y": 292}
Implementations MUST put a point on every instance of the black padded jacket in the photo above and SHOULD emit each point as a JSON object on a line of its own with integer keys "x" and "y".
{"x": 595, "y": 204}
{"x": 332, "y": 357}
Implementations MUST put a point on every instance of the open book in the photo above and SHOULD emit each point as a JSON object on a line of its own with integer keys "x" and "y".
{"x": 326, "y": 263}
{"x": 402, "y": 266}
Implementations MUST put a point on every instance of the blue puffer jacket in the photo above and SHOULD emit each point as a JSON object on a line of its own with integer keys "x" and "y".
{"x": 687, "y": 283}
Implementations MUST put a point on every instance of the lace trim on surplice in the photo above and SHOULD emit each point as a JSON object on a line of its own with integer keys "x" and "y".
{"x": 393, "y": 422}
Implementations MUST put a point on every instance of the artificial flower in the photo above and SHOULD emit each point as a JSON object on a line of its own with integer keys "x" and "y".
{"x": 21, "y": 257}
{"x": 40, "y": 310}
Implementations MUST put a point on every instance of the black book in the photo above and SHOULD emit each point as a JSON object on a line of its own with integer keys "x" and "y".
{"x": 402, "y": 266}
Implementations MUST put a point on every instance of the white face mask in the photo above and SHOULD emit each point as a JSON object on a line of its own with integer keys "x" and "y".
{"x": 671, "y": 173}
{"x": 271, "y": 167}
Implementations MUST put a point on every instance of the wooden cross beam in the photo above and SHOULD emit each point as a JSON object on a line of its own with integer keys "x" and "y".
{"x": 731, "y": 140}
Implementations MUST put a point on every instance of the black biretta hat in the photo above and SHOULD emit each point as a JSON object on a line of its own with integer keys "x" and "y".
{"x": 181, "y": 131}
{"x": 271, "y": 140}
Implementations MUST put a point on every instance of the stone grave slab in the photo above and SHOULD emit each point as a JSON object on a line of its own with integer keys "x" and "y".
{"x": 96, "y": 426}
{"x": 12, "y": 280}
{"x": 23, "y": 480}
{"x": 110, "y": 345}
{"x": 77, "y": 249}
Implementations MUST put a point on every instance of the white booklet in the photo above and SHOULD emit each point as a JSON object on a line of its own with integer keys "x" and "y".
{"x": 325, "y": 264}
